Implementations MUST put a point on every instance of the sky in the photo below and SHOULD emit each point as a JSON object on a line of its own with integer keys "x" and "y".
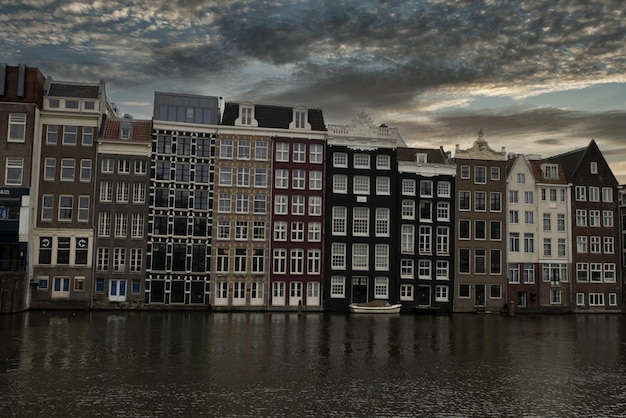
{"x": 536, "y": 76}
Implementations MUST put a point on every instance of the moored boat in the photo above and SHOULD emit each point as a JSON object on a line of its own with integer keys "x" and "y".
{"x": 375, "y": 307}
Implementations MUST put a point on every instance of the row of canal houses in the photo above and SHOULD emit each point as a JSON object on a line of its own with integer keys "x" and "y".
{"x": 245, "y": 206}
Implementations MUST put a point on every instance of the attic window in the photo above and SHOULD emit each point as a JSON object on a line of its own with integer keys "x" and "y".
{"x": 125, "y": 131}
{"x": 421, "y": 158}
{"x": 594, "y": 167}
{"x": 550, "y": 171}
{"x": 71, "y": 104}
{"x": 246, "y": 116}
{"x": 300, "y": 119}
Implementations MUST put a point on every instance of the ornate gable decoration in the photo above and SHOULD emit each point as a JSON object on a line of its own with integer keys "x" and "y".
{"x": 362, "y": 130}
{"x": 480, "y": 150}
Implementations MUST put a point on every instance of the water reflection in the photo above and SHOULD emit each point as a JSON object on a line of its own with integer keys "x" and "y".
{"x": 282, "y": 364}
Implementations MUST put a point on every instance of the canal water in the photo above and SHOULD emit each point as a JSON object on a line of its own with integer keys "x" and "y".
{"x": 91, "y": 364}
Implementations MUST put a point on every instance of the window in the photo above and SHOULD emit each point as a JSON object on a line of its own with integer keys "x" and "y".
{"x": 529, "y": 198}
{"x": 495, "y": 173}
{"x": 581, "y": 244}
{"x": 104, "y": 224}
{"x": 383, "y": 185}
{"x": 337, "y": 286}
{"x": 609, "y": 245}
{"x": 607, "y": 218}
{"x": 464, "y": 290}
{"x": 242, "y": 203}
{"x": 281, "y": 180}
{"x": 480, "y": 201}
{"x": 17, "y": 127}
{"x": 514, "y": 246}
{"x": 182, "y": 172}
{"x": 136, "y": 255}
{"x": 521, "y": 178}
{"x": 296, "y": 259}
{"x": 547, "y": 247}
{"x": 69, "y": 135}
{"x": 594, "y": 194}
{"x": 360, "y": 222}
{"x": 121, "y": 225}
{"x": 50, "y": 166}
{"x": 383, "y": 162}
{"x": 381, "y": 257}
{"x": 63, "y": 250}
{"x": 408, "y": 209}
{"x": 443, "y": 240}
{"x": 425, "y": 240}
{"x": 609, "y": 272}
{"x": 243, "y": 177}
{"x": 314, "y": 232}
{"x": 407, "y": 268}
{"x": 123, "y": 166}
{"x": 443, "y": 189}
{"x": 464, "y": 200}
{"x": 316, "y": 153}
{"x": 441, "y": 293}
{"x": 47, "y": 207}
{"x": 52, "y": 134}
{"x": 581, "y": 193}
{"x": 495, "y": 199}
{"x": 594, "y": 218}
{"x": 529, "y": 243}
{"x": 495, "y": 228}
{"x": 361, "y": 161}
{"x": 529, "y": 217}
{"x": 560, "y": 222}
{"x": 102, "y": 259}
{"x": 339, "y": 219}
{"x": 360, "y": 256}
{"x": 338, "y": 256}
{"x": 297, "y": 205}
{"x": 83, "y": 208}
{"x": 66, "y": 204}
{"x": 14, "y": 171}
{"x": 85, "y": 170}
{"x": 298, "y": 179}
{"x": 547, "y": 222}
{"x": 361, "y": 185}
{"x": 513, "y": 273}
{"x": 594, "y": 245}
{"x": 480, "y": 229}
{"x": 282, "y": 151}
{"x": 297, "y": 231}
{"x": 426, "y": 210}
{"x": 480, "y": 261}
{"x": 581, "y": 217}
{"x": 550, "y": 171}
{"x": 406, "y": 292}
{"x": 243, "y": 149}
{"x": 596, "y": 299}
{"x": 139, "y": 193}
{"x": 122, "y": 192}
{"x": 480, "y": 175}
{"x": 513, "y": 196}
{"x": 68, "y": 166}
{"x": 314, "y": 258}
{"x": 408, "y": 187}
{"x": 381, "y": 287}
{"x": 561, "y": 248}
{"x": 226, "y": 149}
{"x": 596, "y": 272}
{"x": 45, "y": 250}
{"x": 137, "y": 225}
{"x": 407, "y": 239}
{"x": 106, "y": 191}
{"x": 443, "y": 211}
{"x": 593, "y": 167}
{"x": 607, "y": 194}
{"x": 224, "y": 203}
{"x": 258, "y": 261}
{"x": 299, "y": 153}
{"x": 612, "y": 299}
{"x": 424, "y": 269}
{"x": 340, "y": 159}
{"x": 315, "y": 180}
{"x": 513, "y": 217}
{"x": 426, "y": 188}
{"x": 259, "y": 204}
{"x": 222, "y": 265}
{"x": 465, "y": 171}
{"x": 464, "y": 229}
{"x": 240, "y": 261}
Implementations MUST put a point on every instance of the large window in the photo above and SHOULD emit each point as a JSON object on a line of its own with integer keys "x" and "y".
{"x": 69, "y": 135}
{"x": 68, "y": 166}
{"x": 66, "y": 204}
{"x": 14, "y": 171}
{"x": 339, "y": 219}
{"x": 360, "y": 256}
{"x": 381, "y": 287}
{"x": 360, "y": 221}
{"x": 337, "y": 286}
{"x": 17, "y": 127}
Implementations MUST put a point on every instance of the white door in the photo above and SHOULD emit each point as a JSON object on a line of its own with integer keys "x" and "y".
{"x": 313, "y": 294}
{"x": 61, "y": 289}
{"x": 295, "y": 293}
{"x": 117, "y": 290}
{"x": 278, "y": 293}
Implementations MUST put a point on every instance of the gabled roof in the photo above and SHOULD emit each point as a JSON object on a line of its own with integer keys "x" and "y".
{"x": 141, "y": 130}
{"x": 433, "y": 155}
{"x": 538, "y": 173}
{"x": 570, "y": 160}
{"x": 77, "y": 90}
{"x": 271, "y": 116}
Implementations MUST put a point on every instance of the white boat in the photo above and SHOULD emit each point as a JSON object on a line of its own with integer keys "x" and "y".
{"x": 375, "y": 307}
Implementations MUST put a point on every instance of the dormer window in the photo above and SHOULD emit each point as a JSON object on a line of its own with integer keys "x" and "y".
{"x": 593, "y": 167}
{"x": 421, "y": 158}
{"x": 550, "y": 171}
{"x": 246, "y": 116}
{"x": 71, "y": 104}
{"x": 300, "y": 119}
{"x": 125, "y": 131}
